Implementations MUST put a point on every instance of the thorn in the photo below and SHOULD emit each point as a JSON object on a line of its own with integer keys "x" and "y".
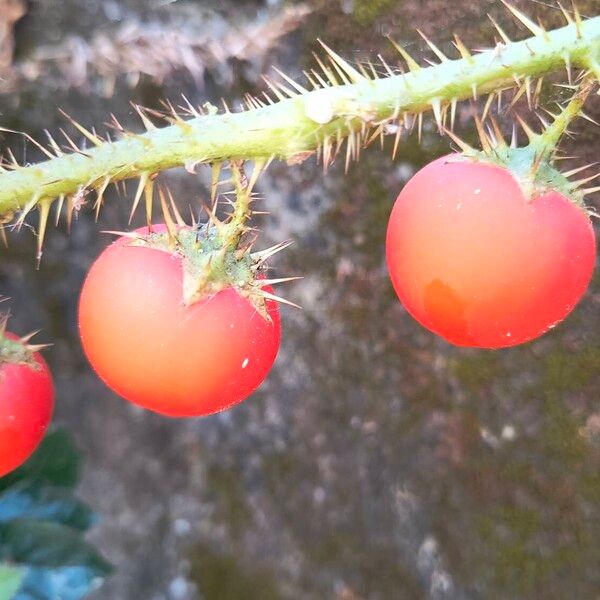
{"x": 53, "y": 144}
{"x": 433, "y": 47}
{"x": 463, "y": 50}
{"x": 70, "y": 210}
{"x": 300, "y": 89}
{"x": 100, "y": 195}
{"x": 190, "y": 108}
{"x": 487, "y": 106}
{"x": 88, "y": 134}
{"x": 531, "y": 135}
{"x": 542, "y": 120}
{"x": 273, "y": 88}
{"x": 581, "y": 182}
{"x": 537, "y": 92}
{"x": 518, "y": 94}
{"x": 565, "y": 14}
{"x": 386, "y": 66}
{"x": 72, "y": 144}
{"x": 268, "y": 296}
{"x": 323, "y": 84}
{"x": 413, "y": 65}
{"x": 460, "y": 143}
{"x": 396, "y": 141}
{"x": 588, "y": 118}
{"x": 363, "y": 71}
{"x": 453, "y": 105}
{"x": 261, "y": 256}
{"x": 528, "y": 92}
{"x": 498, "y": 132}
{"x": 311, "y": 80}
{"x": 263, "y": 282}
{"x": 25, "y": 339}
{"x": 537, "y": 161}
{"x": 373, "y": 71}
{"x": 351, "y": 72}
{"x": 535, "y": 29}
{"x": 326, "y": 71}
{"x": 178, "y": 218}
{"x": 483, "y": 138}
{"x": 436, "y": 106}
{"x": 259, "y": 166}
{"x": 31, "y": 139}
{"x": 499, "y": 29}
{"x": 214, "y": 179}
{"x": 144, "y": 178}
{"x": 44, "y": 208}
{"x": 578, "y": 20}
{"x": 26, "y": 210}
{"x": 590, "y": 191}
{"x": 59, "y": 205}
{"x": 148, "y": 124}
{"x": 169, "y": 223}
{"x": 128, "y": 234}
{"x": 225, "y": 106}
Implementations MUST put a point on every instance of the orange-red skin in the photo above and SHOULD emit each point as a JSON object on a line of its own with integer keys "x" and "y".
{"x": 176, "y": 360}
{"x": 476, "y": 262}
{"x": 26, "y": 404}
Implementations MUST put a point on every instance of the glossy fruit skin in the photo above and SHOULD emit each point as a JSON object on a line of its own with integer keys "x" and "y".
{"x": 473, "y": 260}
{"x": 26, "y": 404}
{"x": 151, "y": 349}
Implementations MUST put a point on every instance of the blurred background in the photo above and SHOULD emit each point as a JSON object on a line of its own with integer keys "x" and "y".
{"x": 377, "y": 461}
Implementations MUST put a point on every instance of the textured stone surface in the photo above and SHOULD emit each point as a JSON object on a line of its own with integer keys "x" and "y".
{"x": 376, "y": 462}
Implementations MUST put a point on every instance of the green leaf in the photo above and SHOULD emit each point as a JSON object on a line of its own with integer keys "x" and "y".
{"x": 10, "y": 581}
{"x": 42, "y": 544}
{"x": 55, "y": 462}
{"x": 34, "y": 501}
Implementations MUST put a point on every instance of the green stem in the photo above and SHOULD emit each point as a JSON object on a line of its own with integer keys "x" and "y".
{"x": 297, "y": 126}
{"x": 547, "y": 142}
{"x": 236, "y": 226}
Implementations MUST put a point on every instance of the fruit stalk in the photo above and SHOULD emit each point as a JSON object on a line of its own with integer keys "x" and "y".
{"x": 302, "y": 121}
{"x": 547, "y": 142}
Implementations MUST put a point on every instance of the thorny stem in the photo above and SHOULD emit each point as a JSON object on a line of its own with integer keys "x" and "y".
{"x": 236, "y": 226}
{"x": 546, "y": 143}
{"x": 296, "y": 126}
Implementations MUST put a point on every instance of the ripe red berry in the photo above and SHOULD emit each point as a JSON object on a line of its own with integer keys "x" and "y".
{"x": 150, "y": 347}
{"x": 26, "y": 402}
{"x": 476, "y": 261}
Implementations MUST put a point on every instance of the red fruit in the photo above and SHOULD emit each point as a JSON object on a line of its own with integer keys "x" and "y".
{"x": 477, "y": 262}
{"x": 26, "y": 402}
{"x": 159, "y": 353}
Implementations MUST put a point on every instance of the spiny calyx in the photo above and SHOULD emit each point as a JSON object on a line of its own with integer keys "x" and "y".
{"x": 533, "y": 165}
{"x": 210, "y": 264}
{"x": 17, "y": 351}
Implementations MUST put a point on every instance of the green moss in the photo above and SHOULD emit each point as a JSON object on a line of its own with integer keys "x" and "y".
{"x": 223, "y": 577}
{"x": 367, "y": 11}
{"x": 565, "y": 371}
{"x": 513, "y": 535}
{"x": 225, "y": 484}
{"x": 476, "y": 371}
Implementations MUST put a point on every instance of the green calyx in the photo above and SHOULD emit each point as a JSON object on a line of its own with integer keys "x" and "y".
{"x": 533, "y": 165}
{"x": 210, "y": 262}
{"x": 15, "y": 352}
{"x": 535, "y": 174}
